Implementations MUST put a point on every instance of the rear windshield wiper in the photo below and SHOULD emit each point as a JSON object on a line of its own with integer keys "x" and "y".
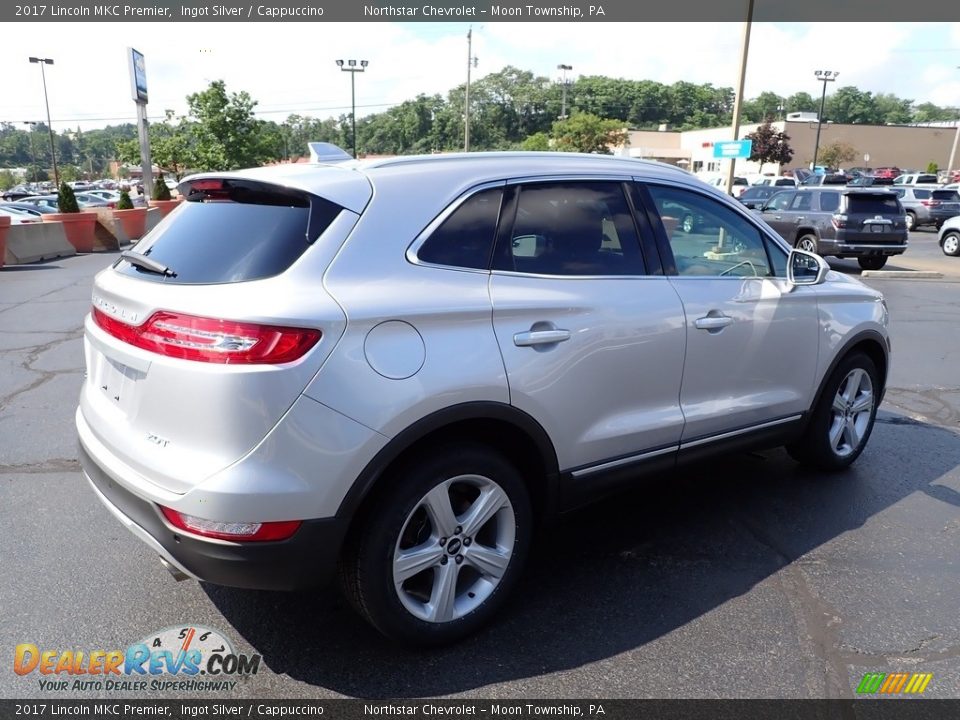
{"x": 145, "y": 263}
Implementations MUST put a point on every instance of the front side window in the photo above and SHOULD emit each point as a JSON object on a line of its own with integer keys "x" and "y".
{"x": 721, "y": 243}
{"x": 572, "y": 228}
{"x": 466, "y": 237}
{"x": 780, "y": 201}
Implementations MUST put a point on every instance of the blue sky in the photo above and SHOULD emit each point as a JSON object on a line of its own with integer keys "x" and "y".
{"x": 289, "y": 67}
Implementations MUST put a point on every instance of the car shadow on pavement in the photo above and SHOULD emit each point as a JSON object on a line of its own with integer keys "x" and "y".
{"x": 615, "y": 576}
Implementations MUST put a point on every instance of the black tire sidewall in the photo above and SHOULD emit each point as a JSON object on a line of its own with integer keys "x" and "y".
{"x": 376, "y": 546}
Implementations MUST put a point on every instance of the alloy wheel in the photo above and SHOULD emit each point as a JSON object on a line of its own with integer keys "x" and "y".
{"x": 851, "y": 413}
{"x": 454, "y": 548}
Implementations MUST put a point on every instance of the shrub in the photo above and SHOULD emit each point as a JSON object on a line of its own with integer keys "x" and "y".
{"x": 160, "y": 190}
{"x": 124, "y": 203}
{"x": 66, "y": 200}
{"x": 932, "y": 168}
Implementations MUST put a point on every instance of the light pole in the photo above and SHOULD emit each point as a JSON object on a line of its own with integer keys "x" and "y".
{"x": 33, "y": 153}
{"x": 350, "y": 66}
{"x": 565, "y": 84}
{"x": 471, "y": 63}
{"x": 953, "y": 151}
{"x": 53, "y": 150}
{"x": 823, "y": 76}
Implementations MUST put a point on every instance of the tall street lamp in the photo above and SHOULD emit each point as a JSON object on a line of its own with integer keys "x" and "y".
{"x": 53, "y": 151}
{"x": 350, "y": 66}
{"x": 471, "y": 63}
{"x": 823, "y": 76}
{"x": 953, "y": 151}
{"x": 33, "y": 152}
{"x": 564, "y": 83}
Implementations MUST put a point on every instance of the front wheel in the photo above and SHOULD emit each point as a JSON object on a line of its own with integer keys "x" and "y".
{"x": 807, "y": 243}
{"x": 872, "y": 262}
{"x": 951, "y": 244}
{"x": 843, "y": 418}
{"x": 442, "y": 548}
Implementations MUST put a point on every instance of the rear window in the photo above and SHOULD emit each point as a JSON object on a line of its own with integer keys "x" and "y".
{"x": 946, "y": 195}
{"x": 873, "y": 204}
{"x": 233, "y": 231}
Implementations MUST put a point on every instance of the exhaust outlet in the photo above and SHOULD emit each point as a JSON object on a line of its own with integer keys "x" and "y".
{"x": 178, "y": 574}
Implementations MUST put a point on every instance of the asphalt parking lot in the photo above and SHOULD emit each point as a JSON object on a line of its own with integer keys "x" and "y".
{"x": 742, "y": 578}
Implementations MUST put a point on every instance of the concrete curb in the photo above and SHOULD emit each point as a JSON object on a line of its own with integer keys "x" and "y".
{"x": 917, "y": 274}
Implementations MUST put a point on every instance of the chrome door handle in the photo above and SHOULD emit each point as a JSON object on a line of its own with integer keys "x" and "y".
{"x": 712, "y": 323}
{"x": 540, "y": 337}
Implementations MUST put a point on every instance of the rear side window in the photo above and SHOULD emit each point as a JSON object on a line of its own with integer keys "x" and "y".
{"x": 829, "y": 201}
{"x": 921, "y": 194}
{"x": 233, "y": 231}
{"x": 873, "y": 204}
{"x": 465, "y": 238}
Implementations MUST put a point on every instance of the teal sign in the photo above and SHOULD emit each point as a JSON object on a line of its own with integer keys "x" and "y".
{"x": 733, "y": 149}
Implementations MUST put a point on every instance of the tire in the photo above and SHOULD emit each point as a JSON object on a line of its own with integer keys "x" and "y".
{"x": 808, "y": 242}
{"x": 841, "y": 423}
{"x": 911, "y": 219}
{"x": 687, "y": 223}
{"x": 438, "y": 593}
{"x": 951, "y": 244}
{"x": 872, "y": 262}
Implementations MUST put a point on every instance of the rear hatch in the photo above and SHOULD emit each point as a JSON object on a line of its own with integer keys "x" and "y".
{"x": 873, "y": 217}
{"x": 944, "y": 203}
{"x": 203, "y": 336}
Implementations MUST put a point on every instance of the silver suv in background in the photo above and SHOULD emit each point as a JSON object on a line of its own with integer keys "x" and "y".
{"x": 927, "y": 206}
{"x": 397, "y": 369}
{"x": 863, "y": 223}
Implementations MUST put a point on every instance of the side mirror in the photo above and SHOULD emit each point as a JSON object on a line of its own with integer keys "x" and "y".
{"x": 806, "y": 268}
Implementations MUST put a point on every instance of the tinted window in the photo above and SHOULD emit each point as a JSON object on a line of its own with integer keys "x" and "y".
{"x": 926, "y": 178}
{"x": 946, "y": 195}
{"x": 466, "y": 237}
{"x": 780, "y": 201}
{"x": 873, "y": 204}
{"x": 721, "y": 241}
{"x": 233, "y": 234}
{"x": 801, "y": 201}
{"x": 572, "y": 229}
{"x": 921, "y": 194}
{"x": 829, "y": 201}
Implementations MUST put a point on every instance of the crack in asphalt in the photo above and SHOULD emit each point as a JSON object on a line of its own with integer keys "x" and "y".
{"x": 28, "y": 301}
{"x": 47, "y": 467}
{"x": 46, "y": 376}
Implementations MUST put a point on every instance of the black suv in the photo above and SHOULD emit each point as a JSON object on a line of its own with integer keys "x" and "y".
{"x": 845, "y": 222}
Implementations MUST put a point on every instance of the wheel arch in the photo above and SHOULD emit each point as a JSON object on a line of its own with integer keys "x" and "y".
{"x": 505, "y": 428}
{"x": 805, "y": 230}
{"x": 874, "y": 346}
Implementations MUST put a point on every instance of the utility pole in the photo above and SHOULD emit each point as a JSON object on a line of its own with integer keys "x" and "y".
{"x": 471, "y": 62}
{"x": 565, "y": 83}
{"x": 953, "y": 151}
{"x": 737, "y": 99}
{"x": 823, "y": 76}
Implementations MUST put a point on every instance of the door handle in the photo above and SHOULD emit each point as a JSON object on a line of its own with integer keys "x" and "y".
{"x": 778, "y": 217}
{"x": 800, "y": 220}
{"x": 540, "y": 337}
{"x": 712, "y": 322}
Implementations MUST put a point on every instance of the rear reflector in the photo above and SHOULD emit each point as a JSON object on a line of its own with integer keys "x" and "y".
{"x": 236, "y": 531}
{"x": 202, "y": 339}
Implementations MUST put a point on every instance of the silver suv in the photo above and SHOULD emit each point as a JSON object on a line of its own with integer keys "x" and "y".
{"x": 400, "y": 368}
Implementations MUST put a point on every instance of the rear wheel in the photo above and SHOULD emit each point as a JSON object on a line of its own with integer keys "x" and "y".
{"x": 807, "y": 242}
{"x": 872, "y": 262}
{"x": 441, "y": 550}
{"x": 951, "y": 244}
{"x": 843, "y": 419}
{"x": 911, "y": 219}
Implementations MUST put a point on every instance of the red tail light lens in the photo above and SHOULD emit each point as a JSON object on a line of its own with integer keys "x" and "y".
{"x": 839, "y": 221}
{"x": 236, "y": 531}
{"x": 202, "y": 339}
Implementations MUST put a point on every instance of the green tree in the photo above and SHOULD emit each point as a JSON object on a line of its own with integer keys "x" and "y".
{"x": 536, "y": 142}
{"x": 836, "y": 154}
{"x": 66, "y": 199}
{"x": 850, "y": 105}
{"x": 770, "y": 146}
{"x": 7, "y": 180}
{"x": 225, "y": 132}
{"x": 585, "y": 132}
{"x": 802, "y": 102}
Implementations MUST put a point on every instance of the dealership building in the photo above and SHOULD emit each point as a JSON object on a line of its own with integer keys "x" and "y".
{"x": 903, "y": 146}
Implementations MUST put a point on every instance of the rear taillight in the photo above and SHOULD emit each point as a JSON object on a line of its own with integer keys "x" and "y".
{"x": 188, "y": 337}
{"x": 929, "y": 203}
{"x": 839, "y": 221}
{"x": 236, "y": 531}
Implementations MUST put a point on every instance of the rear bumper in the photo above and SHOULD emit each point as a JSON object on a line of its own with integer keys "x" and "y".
{"x": 307, "y": 559}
